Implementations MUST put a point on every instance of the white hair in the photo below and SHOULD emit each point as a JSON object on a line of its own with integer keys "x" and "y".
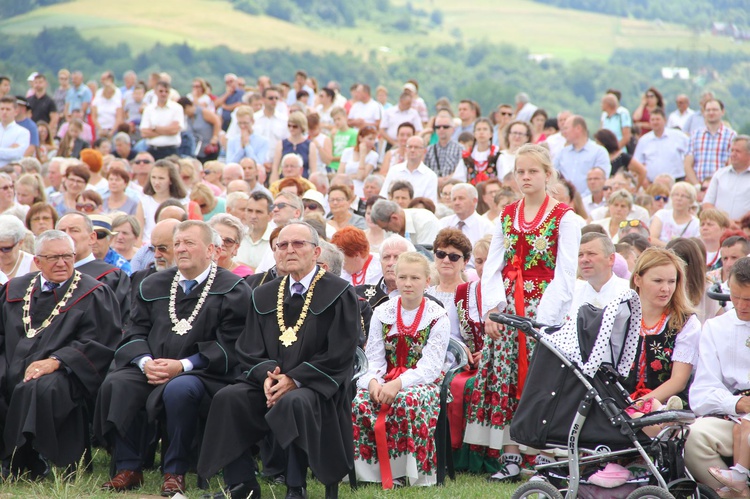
{"x": 396, "y": 241}
{"x": 297, "y": 158}
{"x": 52, "y": 235}
{"x": 468, "y": 188}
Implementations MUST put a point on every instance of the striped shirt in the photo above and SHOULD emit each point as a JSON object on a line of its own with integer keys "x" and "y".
{"x": 710, "y": 150}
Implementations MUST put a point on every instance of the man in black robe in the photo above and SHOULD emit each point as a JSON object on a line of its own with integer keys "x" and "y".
{"x": 59, "y": 328}
{"x": 81, "y": 229}
{"x": 177, "y": 352}
{"x": 390, "y": 249}
{"x": 297, "y": 367}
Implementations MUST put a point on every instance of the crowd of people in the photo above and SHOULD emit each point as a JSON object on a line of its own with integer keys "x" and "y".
{"x": 202, "y": 268}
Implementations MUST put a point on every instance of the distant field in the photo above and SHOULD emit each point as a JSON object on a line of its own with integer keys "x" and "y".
{"x": 566, "y": 34}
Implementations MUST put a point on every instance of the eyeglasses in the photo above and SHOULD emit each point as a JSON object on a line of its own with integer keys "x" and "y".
{"x": 442, "y": 127}
{"x": 66, "y": 257}
{"x": 228, "y": 241}
{"x": 631, "y": 223}
{"x": 280, "y": 206}
{"x": 101, "y": 235}
{"x": 607, "y": 188}
{"x": 274, "y": 97}
{"x": 297, "y": 245}
{"x": 162, "y": 248}
{"x": 453, "y": 257}
{"x": 650, "y": 95}
{"x": 661, "y": 198}
{"x": 41, "y": 219}
{"x": 336, "y": 200}
{"x": 207, "y": 172}
{"x": 87, "y": 207}
{"x": 312, "y": 206}
{"x": 518, "y": 134}
{"x": 142, "y": 162}
{"x": 445, "y": 194}
{"x": 8, "y": 187}
{"x": 8, "y": 249}
{"x": 506, "y": 114}
{"x": 75, "y": 180}
{"x": 202, "y": 205}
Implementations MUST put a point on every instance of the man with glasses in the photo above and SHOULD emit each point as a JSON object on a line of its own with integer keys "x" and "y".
{"x": 729, "y": 189}
{"x": 162, "y": 123}
{"x": 503, "y": 117}
{"x": 177, "y": 351}
{"x": 81, "y": 229}
{"x": 14, "y": 139}
{"x": 292, "y": 166}
{"x": 270, "y": 122}
{"x": 443, "y": 156}
{"x": 49, "y": 381}
{"x": 424, "y": 180}
{"x": 297, "y": 351}
{"x": 162, "y": 250}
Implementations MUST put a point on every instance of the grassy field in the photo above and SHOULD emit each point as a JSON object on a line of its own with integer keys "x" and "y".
{"x": 566, "y": 34}
{"x": 86, "y": 485}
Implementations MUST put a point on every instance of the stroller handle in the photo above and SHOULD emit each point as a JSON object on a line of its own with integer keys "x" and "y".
{"x": 528, "y": 326}
{"x": 718, "y": 296}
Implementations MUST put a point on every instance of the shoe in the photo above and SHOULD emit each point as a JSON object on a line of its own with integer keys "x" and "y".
{"x": 726, "y": 492}
{"x": 39, "y": 469}
{"x": 247, "y": 490}
{"x": 613, "y": 475}
{"x": 510, "y": 469}
{"x": 332, "y": 491}
{"x": 296, "y": 493}
{"x": 725, "y": 478}
{"x": 673, "y": 404}
{"x": 173, "y": 484}
{"x": 279, "y": 480}
{"x": 124, "y": 480}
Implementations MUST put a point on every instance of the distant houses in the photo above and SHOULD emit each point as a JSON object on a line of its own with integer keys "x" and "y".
{"x": 730, "y": 30}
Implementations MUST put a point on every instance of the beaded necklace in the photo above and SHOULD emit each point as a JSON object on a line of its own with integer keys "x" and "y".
{"x": 522, "y": 224}
{"x": 411, "y": 328}
{"x": 182, "y": 326}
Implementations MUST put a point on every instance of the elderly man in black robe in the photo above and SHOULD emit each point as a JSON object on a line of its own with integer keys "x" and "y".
{"x": 296, "y": 354}
{"x": 79, "y": 227}
{"x": 59, "y": 328}
{"x": 177, "y": 351}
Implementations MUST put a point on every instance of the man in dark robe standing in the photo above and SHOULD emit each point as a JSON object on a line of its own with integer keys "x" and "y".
{"x": 176, "y": 353}
{"x": 296, "y": 354}
{"x": 59, "y": 328}
{"x": 79, "y": 227}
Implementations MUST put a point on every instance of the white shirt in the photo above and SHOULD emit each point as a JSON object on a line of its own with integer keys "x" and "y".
{"x": 350, "y": 167}
{"x": 665, "y": 154}
{"x": 155, "y": 115}
{"x": 524, "y": 114}
{"x": 730, "y": 191}
{"x": 475, "y": 228}
{"x": 273, "y": 129}
{"x": 638, "y": 212}
{"x": 106, "y": 110}
{"x": 590, "y": 205}
{"x": 250, "y": 252}
{"x": 556, "y": 300}
{"x": 372, "y": 276}
{"x": 9, "y": 135}
{"x": 198, "y": 279}
{"x": 422, "y": 179}
{"x": 556, "y": 142}
{"x": 394, "y": 117}
{"x": 371, "y": 112}
{"x": 430, "y": 364}
{"x": 678, "y": 119}
{"x": 723, "y": 365}
{"x": 585, "y": 293}
{"x": 420, "y": 226}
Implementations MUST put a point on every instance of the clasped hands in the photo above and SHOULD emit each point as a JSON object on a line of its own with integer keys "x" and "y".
{"x": 276, "y": 385}
{"x": 384, "y": 394}
{"x": 159, "y": 371}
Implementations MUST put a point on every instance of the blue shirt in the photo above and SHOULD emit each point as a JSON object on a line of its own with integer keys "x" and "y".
{"x": 257, "y": 148}
{"x": 665, "y": 154}
{"x": 76, "y": 97}
{"x": 114, "y": 258}
{"x": 574, "y": 164}
{"x": 615, "y": 123}
{"x": 236, "y": 97}
{"x": 33, "y": 131}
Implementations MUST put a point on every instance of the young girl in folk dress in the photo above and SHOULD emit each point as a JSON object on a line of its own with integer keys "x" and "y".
{"x": 396, "y": 408}
{"x": 530, "y": 271}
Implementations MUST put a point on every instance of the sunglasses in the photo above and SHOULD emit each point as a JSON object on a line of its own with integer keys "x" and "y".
{"x": 506, "y": 114}
{"x": 161, "y": 247}
{"x": 661, "y": 198}
{"x": 280, "y": 206}
{"x": 453, "y": 257}
{"x": 632, "y": 223}
{"x": 228, "y": 241}
{"x": 607, "y": 188}
{"x": 8, "y": 187}
{"x": 101, "y": 235}
{"x": 272, "y": 98}
{"x": 292, "y": 126}
{"x": 87, "y": 207}
{"x": 442, "y": 127}
{"x": 650, "y": 95}
{"x": 704, "y": 188}
{"x": 312, "y": 206}
{"x": 7, "y": 249}
{"x": 142, "y": 162}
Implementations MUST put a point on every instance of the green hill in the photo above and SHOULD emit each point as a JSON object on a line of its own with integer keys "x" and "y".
{"x": 542, "y": 29}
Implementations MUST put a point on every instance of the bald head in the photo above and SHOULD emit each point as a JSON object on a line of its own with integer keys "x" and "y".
{"x": 161, "y": 240}
{"x": 232, "y": 171}
{"x": 238, "y": 186}
{"x": 609, "y": 103}
{"x": 175, "y": 212}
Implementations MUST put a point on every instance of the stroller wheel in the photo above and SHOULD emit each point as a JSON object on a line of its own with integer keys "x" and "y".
{"x": 537, "y": 490}
{"x": 707, "y": 492}
{"x": 650, "y": 492}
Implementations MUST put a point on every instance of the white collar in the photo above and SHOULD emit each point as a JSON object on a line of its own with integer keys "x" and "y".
{"x": 305, "y": 280}
{"x": 84, "y": 261}
{"x": 199, "y": 278}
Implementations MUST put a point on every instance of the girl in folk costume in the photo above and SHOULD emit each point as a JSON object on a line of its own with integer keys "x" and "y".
{"x": 530, "y": 271}
{"x": 468, "y": 303}
{"x": 396, "y": 408}
{"x": 479, "y": 163}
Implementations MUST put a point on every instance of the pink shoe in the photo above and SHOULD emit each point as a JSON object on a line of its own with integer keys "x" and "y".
{"x": 726, "y": 492}
{"x": 737, "y": 488}
{"x": 613, "y": 475}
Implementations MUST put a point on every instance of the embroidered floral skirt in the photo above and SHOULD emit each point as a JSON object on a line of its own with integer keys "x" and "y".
{"x": 494, "y": 398}
{"x": 410, "y": 429}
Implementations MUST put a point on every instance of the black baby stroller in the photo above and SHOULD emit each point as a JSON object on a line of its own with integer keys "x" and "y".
{"x": 573, "y": 400}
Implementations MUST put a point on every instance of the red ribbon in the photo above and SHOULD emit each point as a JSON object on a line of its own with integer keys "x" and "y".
{"x": 456, "y": 418}
{"x": 513, "y": 273}
{"x": 381, "y": 436}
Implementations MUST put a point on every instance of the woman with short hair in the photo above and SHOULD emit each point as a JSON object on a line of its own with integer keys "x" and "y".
{"x": 232, "y": 231}
{"x": 14, "y": 262}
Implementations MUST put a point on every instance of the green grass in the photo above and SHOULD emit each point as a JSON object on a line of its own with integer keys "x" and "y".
{"x": 86, "y": 485}
{"x": 542, "y": 29}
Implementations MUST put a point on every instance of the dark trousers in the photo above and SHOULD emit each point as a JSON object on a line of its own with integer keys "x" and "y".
{"x": 182, "y": 398}
{"x": 161, "y": 152}
{"x": 242, "y": 470}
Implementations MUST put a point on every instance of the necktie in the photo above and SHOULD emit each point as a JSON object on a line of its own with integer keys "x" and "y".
{"x": 50, "y": 286}
{"x": 189, "y": 285}
{"x": 461, "y": 224}
{"x": 297, "y": 288}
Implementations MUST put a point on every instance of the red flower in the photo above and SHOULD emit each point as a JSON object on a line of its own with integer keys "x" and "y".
{"x": 404, "y": 425}
{"x": 433, "y": 422}
{"x": 393, "y": 428}
{"x": 365, "y": 452}
{"x": 355, "y": 432}
{"x": 400, "y": 412}
{"x": 426, "y": 466}
{"x": 656, "y": 365}
{"x": 475, "y": 397}
{"x": 497, "y": 419}
{"x": 391, "y": 443}
{"x": 410, "y": 445}
{"x": 421, "y": 454}
{"x": 363, "y": 408}
{"x": 480, "y": 414}
{"x": 423, "y": 432}
{"x": 366, "y": 422}
{"x": 402, "y": 444}
{"x": 495, "y": 398}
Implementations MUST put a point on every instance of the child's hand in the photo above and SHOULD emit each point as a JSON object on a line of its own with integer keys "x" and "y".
{"x": 389, "y": 391}
{"x": 375, "y": 389}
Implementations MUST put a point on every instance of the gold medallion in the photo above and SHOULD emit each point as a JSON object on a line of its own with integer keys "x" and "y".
{"x": 288, "y": 338}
